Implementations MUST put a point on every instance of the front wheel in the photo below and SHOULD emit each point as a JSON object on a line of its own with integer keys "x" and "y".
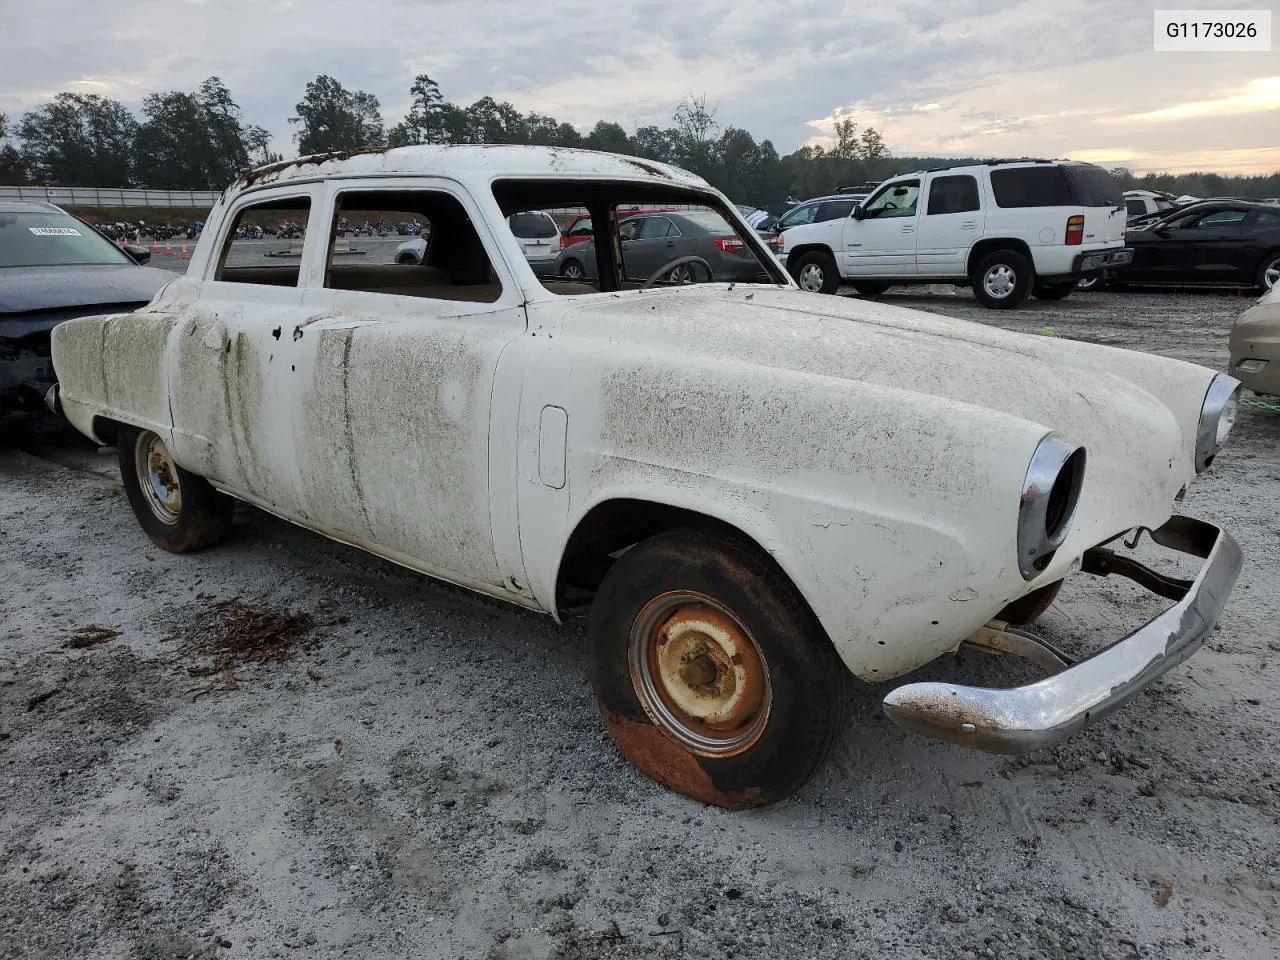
{"x": 572, "y": 270}
{"x": 1002, "y": 279}
{"x": 712, "y": 675}
{"x": 816, "y": 272}
{"x": 179, "y": 511}
{"x": 1053, "y": 291}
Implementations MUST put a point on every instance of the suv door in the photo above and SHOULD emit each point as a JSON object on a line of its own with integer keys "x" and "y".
{"x": 953, "y": 220}
{"x": 879, "y": 240}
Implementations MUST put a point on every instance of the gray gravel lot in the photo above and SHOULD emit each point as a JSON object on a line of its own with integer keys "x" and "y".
{"x": 428, "y": 778}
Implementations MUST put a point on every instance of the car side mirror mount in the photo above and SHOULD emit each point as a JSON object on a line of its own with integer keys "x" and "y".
{"x": 858, "y": 212}
{"x": 139, "y": 255}
{"x": 1161, "y": 231}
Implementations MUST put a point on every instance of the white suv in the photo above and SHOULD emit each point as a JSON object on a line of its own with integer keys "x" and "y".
{"x": 1009, "y": 228}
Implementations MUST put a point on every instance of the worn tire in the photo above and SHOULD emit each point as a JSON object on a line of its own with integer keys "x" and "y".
{"x": 871, "y": 289}
{"x": 1053, "y": 291}
{"x": 818, "y": 269}
{"x": 407, "y": 258}
{"x": 1269, "y": 271}
{"x": 786, "y": 733}
{"x": 198, "y": 518}
{"x": 1032, "y": 607}
{"x": 1019, "y": 276}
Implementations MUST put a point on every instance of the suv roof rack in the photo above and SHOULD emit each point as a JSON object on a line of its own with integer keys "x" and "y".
{"x": 993, "y": 162}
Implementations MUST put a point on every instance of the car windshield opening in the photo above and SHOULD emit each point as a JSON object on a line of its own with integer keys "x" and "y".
{"x": 656, "y": 236}
{"x": 52, "y": 239}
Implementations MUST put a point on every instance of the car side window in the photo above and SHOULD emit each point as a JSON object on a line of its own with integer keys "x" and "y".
{"x": 955, "y": 194}
{"x": 264, "y": 243}
{"x": 655, "y": 228}
{"x": 896, "y": 200}
{"x": 451, "y": 265}
{"x": 628, "y": 229}
{"x": 1219, "y": 218}
{"x": 1135, "y": 208}
{"x": 1266, "y": 220}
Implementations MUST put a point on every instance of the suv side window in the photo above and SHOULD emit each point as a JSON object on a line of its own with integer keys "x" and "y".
{"x": 1135, "y": 208}
{"x": 264, "y": 244}
{"x": 1031, "y": 187}
{"x": 896, "y": 200}
{"x": 833, "y": 210}
{"x": 955, "y": 194}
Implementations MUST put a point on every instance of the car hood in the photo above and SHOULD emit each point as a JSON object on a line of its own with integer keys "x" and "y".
{"x": 1135, "y": 413}
{"x": 33, "y": 289}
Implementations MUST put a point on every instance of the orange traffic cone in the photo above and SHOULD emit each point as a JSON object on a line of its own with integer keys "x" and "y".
{"x": 186, "y": 254}
{"x": 155, "y": 249}
{"x": 168, "y": 250}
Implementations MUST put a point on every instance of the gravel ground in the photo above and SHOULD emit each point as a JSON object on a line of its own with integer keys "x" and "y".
{"x": 426, "y": 776}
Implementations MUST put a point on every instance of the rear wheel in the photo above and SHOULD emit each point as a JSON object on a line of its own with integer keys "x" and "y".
{"x": 179, "y": 511}
{"x": 870, "y": 289}
{"x": 1002, "y": 279}
{"x": 1269, "y": 271}
{"x": 711, "y": 673}
{"x": 1053, "y": 291}
{"x": 816, "y": 272}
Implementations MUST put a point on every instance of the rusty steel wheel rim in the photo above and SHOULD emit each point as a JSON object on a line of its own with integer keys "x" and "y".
{"x": 699, "y": 674}
{"x": 157, "y": 477}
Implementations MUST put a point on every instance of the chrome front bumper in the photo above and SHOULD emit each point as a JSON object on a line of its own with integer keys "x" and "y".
{"x": 1048, "y": 711}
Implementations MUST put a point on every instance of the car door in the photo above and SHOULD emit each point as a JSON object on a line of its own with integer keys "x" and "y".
{"x": 230, "y": 402}
{"x": 394, "y": 384}
{"x": 656, "y": 241}
{"x": 953, "y": 220}
{"x": 880, "y": 239}
{"x": 1218, "y": 248}
{"x": 1174, "y": 250}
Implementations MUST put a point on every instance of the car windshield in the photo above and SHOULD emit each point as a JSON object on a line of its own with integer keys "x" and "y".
{"x": 646, "y": 235}
{"x": 49, "y": 239}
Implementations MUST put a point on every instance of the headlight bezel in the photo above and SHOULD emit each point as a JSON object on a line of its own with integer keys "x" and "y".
{"x": 1218, "y": 412}
{"x": 1050, "y": 497}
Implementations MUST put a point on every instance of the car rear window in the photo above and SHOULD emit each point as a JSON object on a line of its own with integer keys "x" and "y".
{"x": 1094, "y": 187}
{"x": 534, "y": 226}
{"x": 1031, "y": 187}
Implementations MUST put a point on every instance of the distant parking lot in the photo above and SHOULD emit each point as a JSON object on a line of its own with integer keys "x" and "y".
{"x": 426, "y": 775}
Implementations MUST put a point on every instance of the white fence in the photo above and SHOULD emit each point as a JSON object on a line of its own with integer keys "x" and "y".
{"x": 112, "y": 196}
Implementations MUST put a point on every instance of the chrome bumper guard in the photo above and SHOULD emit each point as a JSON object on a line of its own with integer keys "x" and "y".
{"x": 1041, "y": 714}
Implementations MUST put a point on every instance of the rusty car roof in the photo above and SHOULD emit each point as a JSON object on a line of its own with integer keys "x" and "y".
{"x": 458, "y": 160}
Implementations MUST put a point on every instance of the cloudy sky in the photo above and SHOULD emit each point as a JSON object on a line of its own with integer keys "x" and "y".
{"x": 1056, "y": 78}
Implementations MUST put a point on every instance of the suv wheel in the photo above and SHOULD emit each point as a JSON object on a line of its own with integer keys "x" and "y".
{"x": 1053, "y": 291}
{"x": 1002, "y": 279}
{"x": 816, "y": 272}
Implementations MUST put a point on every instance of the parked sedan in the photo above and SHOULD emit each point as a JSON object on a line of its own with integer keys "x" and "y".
{"x": 1255, "y": 345}
{"x": 54, "y": 267}
{"x": 1216, "y": 242}
{"x": 702, "y": 238}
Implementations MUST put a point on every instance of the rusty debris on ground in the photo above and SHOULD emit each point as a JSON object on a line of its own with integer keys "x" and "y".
{"x": 84, "y": 637}
{"x": 1163, "y": 895}
{"x": 229, "y": 633}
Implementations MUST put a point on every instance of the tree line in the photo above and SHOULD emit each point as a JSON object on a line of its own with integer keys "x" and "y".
{"x": 199, "y": 140}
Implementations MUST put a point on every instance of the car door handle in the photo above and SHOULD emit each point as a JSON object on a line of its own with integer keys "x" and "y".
{"x": 969, "y": 224}
{"x": 908, "y": 229}
{"x": 671, "y": 243}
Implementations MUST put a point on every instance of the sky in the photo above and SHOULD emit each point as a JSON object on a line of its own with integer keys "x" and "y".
{"x": 1052, "y": 78}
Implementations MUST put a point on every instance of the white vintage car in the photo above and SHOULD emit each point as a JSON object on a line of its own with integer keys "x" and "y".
{"x": 759, "y": 492}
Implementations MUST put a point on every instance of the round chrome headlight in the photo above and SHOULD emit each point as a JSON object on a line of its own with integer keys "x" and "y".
{"x": 1050, "y": 493}
{"x": 1217, "y": 416}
